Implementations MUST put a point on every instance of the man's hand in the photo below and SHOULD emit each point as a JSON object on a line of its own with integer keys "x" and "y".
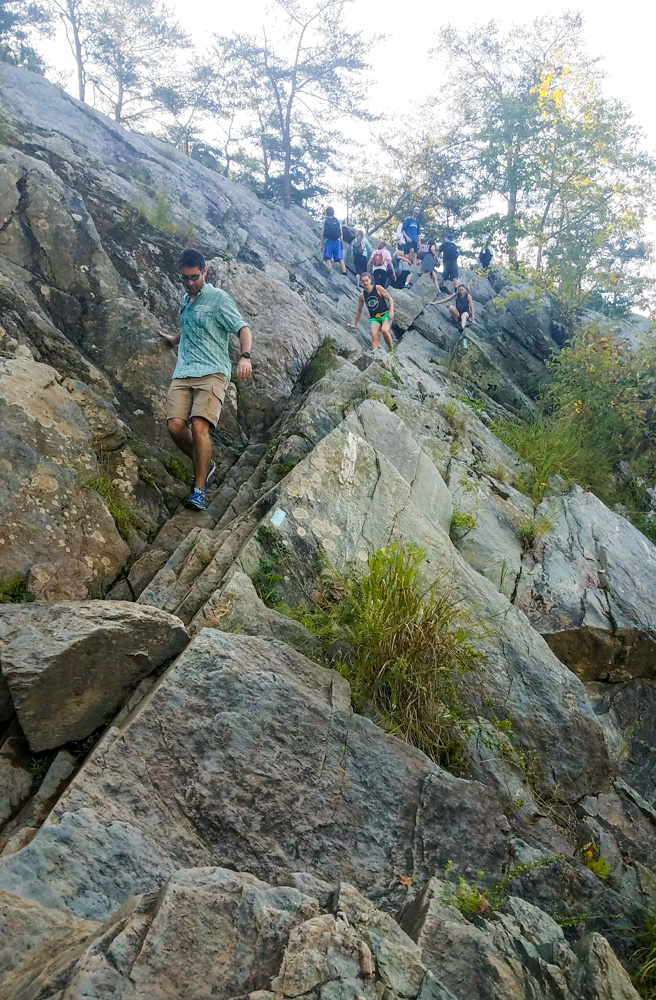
{"x": 171, "y": 339}
{"x": 244, "y": 368}
{"x": 352, "y": 326}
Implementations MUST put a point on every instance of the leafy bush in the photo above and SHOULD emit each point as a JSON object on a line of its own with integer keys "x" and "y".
{"x": 124, "y": 518}
{"x": 595, "y": 861}
{"x": 14, "y": 589}
{"x": 472, "y": 900}
{"x": 462, "y": 522}
{"x": 407, "y": 644}
{"x": 596, "y": 423}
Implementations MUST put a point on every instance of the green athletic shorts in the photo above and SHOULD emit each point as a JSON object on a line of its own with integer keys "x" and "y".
{"x": 379, "y": 319}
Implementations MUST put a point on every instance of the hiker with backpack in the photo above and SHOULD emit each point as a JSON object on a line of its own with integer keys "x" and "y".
{"x": 411, "y": 235}
{"x": 331, "y": 241}
{"x": 381, "y": 263}
{"x": 450, "y": 254}
{"x": 485, "y": 257}
{"x": 380, "y": 305}
{"x": 462, "y": 310}
{"x": 361, "y": 248}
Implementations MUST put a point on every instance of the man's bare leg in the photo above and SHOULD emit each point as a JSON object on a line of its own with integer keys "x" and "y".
{"x": 387, "y": 336}
{"x": 181, "y": 435}
{"x": 202, "y": 450}
{"x": 342, "y": 267}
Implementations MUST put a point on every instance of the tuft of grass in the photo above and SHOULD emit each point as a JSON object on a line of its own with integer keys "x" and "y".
{"x": 268, "y": 572}
{"x": 532, "y": 529}
{"x": 146, "y": 477}
{"x": 159, "y": 216}
{"x": 14, "y": 589}
{"x": 644, "y": 976}
{"x": 454, "y": 416}
{"x": 462, "y": 522}
{"x": 124, "y": 517}
{"x": 408, "y": 643}
{"x": 322, "y": 362}
{"x": 551, "y": 448}
{"x": 179, "y": 467}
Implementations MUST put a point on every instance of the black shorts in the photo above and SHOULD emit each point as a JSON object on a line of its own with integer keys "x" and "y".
{"x": 380, "y": 276}
{"x": 359, "y": 263}
{"x": 410, "y": 246}
{"x": 450, "y": 269}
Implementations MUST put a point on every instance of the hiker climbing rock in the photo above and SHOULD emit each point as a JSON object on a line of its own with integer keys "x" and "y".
{"x": 361, "y": 248}
{"x": 193, "y": 404}
{"x": 411, "y": 235}
{"x": 381, "y": 264}
{"x": 427, "y": 262}
{"x": 450, "y": 253}
{"x": 331, "y": 241}
{"x": 381, "y": 311}
{"x": 462, "y": 310}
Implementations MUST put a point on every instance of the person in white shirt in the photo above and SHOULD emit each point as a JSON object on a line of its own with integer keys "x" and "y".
{"x": 381, "y": 263}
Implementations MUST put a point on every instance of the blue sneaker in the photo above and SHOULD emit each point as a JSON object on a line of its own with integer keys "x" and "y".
{"x": 195, "y": 500}
{"x": 192, "y": 484}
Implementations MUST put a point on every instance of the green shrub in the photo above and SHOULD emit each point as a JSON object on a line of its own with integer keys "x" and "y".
{"x": 408, "y": 643}
{"x": 596, "y": 414}
{"x": 320, "y": 363}
{"x": 455, "y": 417}
{"x": 179, "y": 467}
{"x": 268, "y": 572}
{"x": 14, "y": 589}
{"x": 124, "y": 517}
{"x": 472, "y": 900}
{"x": 462, "y": 522}
{"x": 159, "y": 216}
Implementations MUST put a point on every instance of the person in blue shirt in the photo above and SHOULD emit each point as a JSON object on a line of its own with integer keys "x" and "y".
{"x": 411, "y": 235}
{"x": 208, "y": 318}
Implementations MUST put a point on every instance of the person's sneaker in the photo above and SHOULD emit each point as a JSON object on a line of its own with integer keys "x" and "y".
{"x": 195, "y": 500}
{"x": 192, "y": 481}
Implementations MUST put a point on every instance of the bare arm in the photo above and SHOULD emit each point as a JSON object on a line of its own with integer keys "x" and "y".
{"x": 358, "y": 313}
{"x": 470, "y": 303}
{"x": 244, "y": 367}
{"x": 442, "y": 302}
{"x": 172, "y": 339}
{"x": 388, "y": 298}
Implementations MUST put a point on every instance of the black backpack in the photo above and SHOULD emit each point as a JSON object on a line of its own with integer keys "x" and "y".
{"x": 348, "y": 234}
{"x": 331, "y": 228}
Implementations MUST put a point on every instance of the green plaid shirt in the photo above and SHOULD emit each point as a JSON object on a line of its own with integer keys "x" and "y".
{"x": 207, "y": 323}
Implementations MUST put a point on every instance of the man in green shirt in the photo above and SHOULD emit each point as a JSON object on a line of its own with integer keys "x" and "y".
{"x": 208, "y": 317}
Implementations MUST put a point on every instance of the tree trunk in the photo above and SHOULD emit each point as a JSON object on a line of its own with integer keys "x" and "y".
{"x": 512, "y": 228}
{"x": 286, "y": 177}
{"x": 118, "y": 108}
{"x": 79, "y": 61}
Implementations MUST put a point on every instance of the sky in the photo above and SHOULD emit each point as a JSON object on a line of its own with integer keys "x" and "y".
{"x": 403, "y": 74}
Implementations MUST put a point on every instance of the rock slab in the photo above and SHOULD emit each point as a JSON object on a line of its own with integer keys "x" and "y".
{"x": 69, "y": 666}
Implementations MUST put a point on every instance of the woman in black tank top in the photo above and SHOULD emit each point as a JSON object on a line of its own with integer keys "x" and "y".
{"x": 380, "y": 305}
{"x": 462, "y": 310}
{"x": 375, "y": 303}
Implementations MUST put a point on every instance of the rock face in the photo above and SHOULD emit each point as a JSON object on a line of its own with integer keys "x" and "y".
{"x": 68, "y": 667}
{"x": 590, "y": 590}
{"x": 166, "y": 864}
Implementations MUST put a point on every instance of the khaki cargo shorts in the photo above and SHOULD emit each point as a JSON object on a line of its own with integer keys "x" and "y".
{"x": 196, "y": 397}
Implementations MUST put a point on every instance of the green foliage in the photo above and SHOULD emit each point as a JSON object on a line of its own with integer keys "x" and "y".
{"x": 462, "y": 522}
{"x": 531, "y": 529}
{"x": 14, "y": 589}
{"x": 644, "y": 976}
{"x": 124, "y": 517}
{"x": 595, "y": 861}
{"x": 388, "y": 377}
{"x": 407, "y": 643}
{"x": 17, "y": 21}
{"x": 597, "y": 412}
{"x": 146, "y": 477}
{"x": 159, "y": 216}
{"x": 39, "y": 765}
{"x": 179, "y": 467}
{"x": 473, "y": 900}
{"x": 454, "y": 416}
{"x": 322, "y": 362}
{"x": 268, "y": 573}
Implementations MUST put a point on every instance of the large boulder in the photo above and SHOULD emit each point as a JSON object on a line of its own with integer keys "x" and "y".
{"x": 590, "y": 589}
{"x": 247, "y": 754}
{"x": 69, "y": 666}
{"x": 211, "y": 932}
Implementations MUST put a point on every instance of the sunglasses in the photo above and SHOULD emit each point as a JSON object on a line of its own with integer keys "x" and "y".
{"x": 189, "y": 277}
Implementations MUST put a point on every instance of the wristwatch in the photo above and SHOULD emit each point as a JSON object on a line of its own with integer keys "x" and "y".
{"x": 246, "y": 354}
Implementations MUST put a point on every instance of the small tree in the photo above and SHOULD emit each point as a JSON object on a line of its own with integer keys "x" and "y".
{"x": 76, "y": 17}
{"x": 301, "y": 98}
{"x": 17, "y": 20}
{"x": 130, "y": 42}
